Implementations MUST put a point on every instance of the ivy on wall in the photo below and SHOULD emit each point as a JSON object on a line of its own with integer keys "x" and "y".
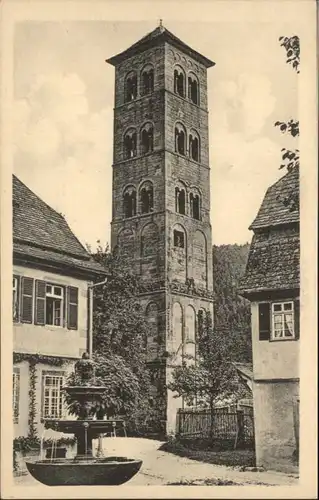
{"x": 33, "y": 360}
{"x": 32, "y": 434}
{"x": 18, "y": 357}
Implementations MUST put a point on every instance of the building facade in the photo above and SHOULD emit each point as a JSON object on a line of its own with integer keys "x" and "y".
{"x": 271, "y": 283}
{"x": 50, "y": 306}
{"x": 161, "y": 195}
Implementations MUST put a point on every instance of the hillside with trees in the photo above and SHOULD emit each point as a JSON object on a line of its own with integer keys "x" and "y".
{"x": 231, "y": 311}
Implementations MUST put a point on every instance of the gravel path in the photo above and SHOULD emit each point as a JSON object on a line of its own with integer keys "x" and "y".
{"x": 161, "y": 468}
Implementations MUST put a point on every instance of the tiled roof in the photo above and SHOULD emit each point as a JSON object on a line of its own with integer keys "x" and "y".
{"x": 22, "y": 250}
{"x": 245, "y": 369}
{"x": 41, "y": 232}
{"x": 273, "y": 210}
{"x": 273, "y": 264}
{"x": 158, "y": 35}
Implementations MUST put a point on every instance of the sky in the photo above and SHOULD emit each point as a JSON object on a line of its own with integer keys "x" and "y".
{"x": 63, "y": 115}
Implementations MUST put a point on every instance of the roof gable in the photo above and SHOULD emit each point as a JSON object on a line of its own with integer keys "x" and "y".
{"x": 274, "y": 211}
{"x": 155, "y": 37}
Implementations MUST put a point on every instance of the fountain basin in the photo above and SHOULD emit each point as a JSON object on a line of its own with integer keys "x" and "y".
{"x": 109, "y": 471}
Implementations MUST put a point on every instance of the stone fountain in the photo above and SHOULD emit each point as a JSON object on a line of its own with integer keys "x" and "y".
{"x": 84, "y": 469}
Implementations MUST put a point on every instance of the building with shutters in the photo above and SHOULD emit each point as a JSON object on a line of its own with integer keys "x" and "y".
{"x": 161, "y": 195}
{"x": 50, "y": 307}
{"x": 272, "y": 284}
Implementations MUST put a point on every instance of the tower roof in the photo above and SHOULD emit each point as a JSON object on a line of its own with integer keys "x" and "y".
{"x": 154, "y": 38}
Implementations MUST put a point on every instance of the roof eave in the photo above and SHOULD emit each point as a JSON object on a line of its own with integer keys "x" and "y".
{"x": 248, "y": 292}
{"x": 164, "y": 37}
{"x": 66, "y": 268}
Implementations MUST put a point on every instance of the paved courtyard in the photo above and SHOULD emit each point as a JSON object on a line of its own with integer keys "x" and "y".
{"x": 161, "y": 468}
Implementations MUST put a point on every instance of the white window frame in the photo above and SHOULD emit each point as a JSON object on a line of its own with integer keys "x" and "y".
{"x": 15, "y": 298}
{"x": 55, "y": 410}
{"x": 16, "y": 395}
{"x": 282, "y": 313}
{"x": 61, "y": 298}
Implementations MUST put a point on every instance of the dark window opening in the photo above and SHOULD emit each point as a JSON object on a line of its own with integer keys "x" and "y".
{"x": 147, "y": 200}
{"x": 179, "y": 83}
{"x": 131, "y": 88}
{"x": 179, "y": 239}
{"x": 194, "y": 203}
{"x": 193, "y": 90}
{"x": 180, "y": 201}
{"x": 130, "y": 203}
{"x": 147, "y": 140}
{"x": 147, "y": 82}
{"x": 194, "y": 147}
{"x": 130, "y": 145}
{"x": 179, "y": 141}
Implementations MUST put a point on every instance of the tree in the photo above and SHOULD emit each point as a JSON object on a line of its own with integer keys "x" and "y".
{"x": 231, "y": 311}
{"x": 291, "y": 159}
{"x": 119, "y": 344}
{"x": 213, "y": 376}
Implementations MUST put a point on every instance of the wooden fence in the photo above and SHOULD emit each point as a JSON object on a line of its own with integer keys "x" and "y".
{"x": 229, "y": 425}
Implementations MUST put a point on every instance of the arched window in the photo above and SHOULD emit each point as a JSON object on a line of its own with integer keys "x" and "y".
{"x": 130, "y": 144}
{"x": 179, "y": 81}
{"x": 147, "y": 135}
{"x": 194, "y": 145}
{"x": 131, "y": 87}
{"x": 179, "y": 253}
{"x": 147, "y": 80}
{"x": 129, "y": 202}
{"x": 194, "y": 204}
{"x": 193, "y": 88}
{"x": 146, "y": 198}
{"x": 180, "y": 200}
{"x": 180, "y": 139}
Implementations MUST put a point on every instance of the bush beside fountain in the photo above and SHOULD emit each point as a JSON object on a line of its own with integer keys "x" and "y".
{"x": 85, "y": 397}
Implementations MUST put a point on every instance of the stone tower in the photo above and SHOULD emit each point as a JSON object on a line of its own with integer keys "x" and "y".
{"x": 161, "y": 196}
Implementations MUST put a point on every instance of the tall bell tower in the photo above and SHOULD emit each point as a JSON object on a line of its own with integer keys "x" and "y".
{"x": 161, "y": 196}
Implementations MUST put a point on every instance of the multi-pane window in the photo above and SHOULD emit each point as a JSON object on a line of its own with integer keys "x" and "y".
{"x": 52, "y": 406}
{"x": 282, "y": 320}
{"x": 15, "y": 394}
{"x": 42, "y": 303}
{"x": 54, "y": 299}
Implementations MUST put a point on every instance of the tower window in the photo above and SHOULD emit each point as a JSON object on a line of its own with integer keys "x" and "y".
{"x": 179, "y": 239}
{"x": 194, "y": 146}
{"x": 129, "y": 202}
{"x": 131, "y": 87}
{"x": 193, "y": 89}
{"x": 147, "y": 136}
{"x": 180, "y": 201}
{"x": 180, "y": 137}
{"x": 147, "y": 80}
{"x": 194, "y": 205}
{"x": 130, "y": 144}
{"x": 146, "y": 198}
{"x": 179, "y": 82}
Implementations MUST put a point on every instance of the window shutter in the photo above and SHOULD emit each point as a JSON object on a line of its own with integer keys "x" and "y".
{"x": 40, "y": 288}
{"x": 26, "y": 300}
{"x": 264, "y": 321}
{"x": 16, "y": 306}
{"x": 297, "y": 318}
{"x": 72, "y": 300}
